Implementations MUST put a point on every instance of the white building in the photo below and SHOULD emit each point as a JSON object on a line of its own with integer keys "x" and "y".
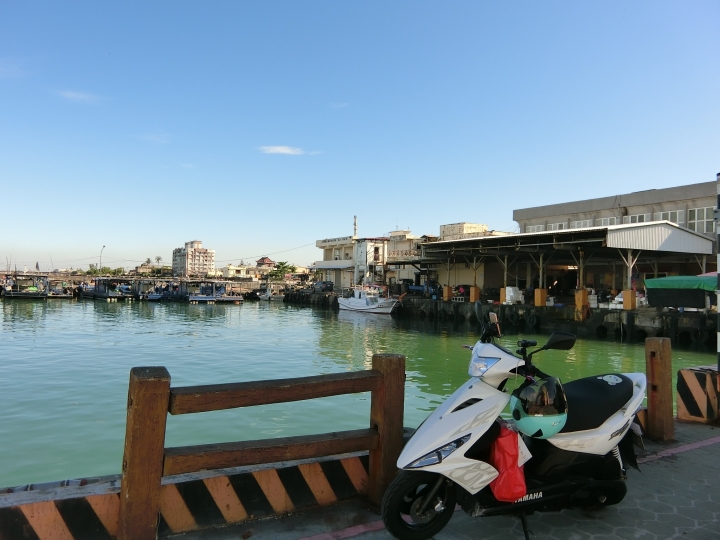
{"x": 338, "y": 261}
{"x": 193, "y": 260}
{"x": 349, "y": 260}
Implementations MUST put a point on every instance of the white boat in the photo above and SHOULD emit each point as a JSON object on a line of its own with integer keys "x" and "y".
{"x": 268, "y": 295}
{"x": 369, "y": 300}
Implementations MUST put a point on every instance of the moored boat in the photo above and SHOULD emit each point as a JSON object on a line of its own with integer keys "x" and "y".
{"x": 114, "y": 289}
{"x": 367, "y": 299}
{"x": 26, "y": 287}
{"x": 203, "y": 291}
{"x": 58, "y": 288}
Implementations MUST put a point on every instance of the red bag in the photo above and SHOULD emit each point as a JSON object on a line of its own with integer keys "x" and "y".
{"x": 509, "y": 486}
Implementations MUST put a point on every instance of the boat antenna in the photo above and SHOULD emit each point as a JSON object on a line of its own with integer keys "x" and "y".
{"x": 355, "y": 226}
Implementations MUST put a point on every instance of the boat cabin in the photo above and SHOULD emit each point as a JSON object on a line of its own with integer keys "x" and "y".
{"x": 32, "y": 287}
{"x": 57, "y": 288}
{"x": 114, "y": 289}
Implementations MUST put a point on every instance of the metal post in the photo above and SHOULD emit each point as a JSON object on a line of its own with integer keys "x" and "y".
{"x": 505, "y": 272}
{"x": 717, "y": 245}
{"x": 100, "y": 269}
{"x": 629, "y": 269}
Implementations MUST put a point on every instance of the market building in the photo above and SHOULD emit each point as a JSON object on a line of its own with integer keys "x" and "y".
{"x": 689, "y": 206}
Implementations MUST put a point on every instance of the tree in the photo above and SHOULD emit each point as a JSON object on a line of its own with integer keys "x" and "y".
{"x": 148, "y": 261}
{"x": 281, "y": 268}
{"x": 158, "y": 259}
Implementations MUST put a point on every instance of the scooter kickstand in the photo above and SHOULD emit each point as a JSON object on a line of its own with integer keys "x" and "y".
{"x": 523, "y": 520}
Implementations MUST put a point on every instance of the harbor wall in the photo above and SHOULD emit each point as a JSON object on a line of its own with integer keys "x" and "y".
{"x": 690, "y": 328}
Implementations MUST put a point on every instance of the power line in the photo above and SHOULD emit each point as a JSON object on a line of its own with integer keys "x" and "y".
{"x": 266, "y": 254}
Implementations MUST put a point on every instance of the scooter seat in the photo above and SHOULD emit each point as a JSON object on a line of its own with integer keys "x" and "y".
{"x": 593, "y": 400}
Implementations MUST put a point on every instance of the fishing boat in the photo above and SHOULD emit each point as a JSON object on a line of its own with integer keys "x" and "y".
{"x": 367, "y": 299}
{"x": 269, "y": 295}
{"x": 205, "y": 291}
{"x": 114, "y": 289}
{"x": 154, "y": 290}
{"x": 224, "y": 293}
{"x": 58, "y": 288}
{"x": 29, "y": 287}
{"x": 163, "y": 291}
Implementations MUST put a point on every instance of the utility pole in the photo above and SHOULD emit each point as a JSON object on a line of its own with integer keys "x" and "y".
{"x": 100, "y": 269}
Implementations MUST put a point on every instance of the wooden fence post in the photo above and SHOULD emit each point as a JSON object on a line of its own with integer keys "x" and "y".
{"x": 148, "y": 398}
{"x": 386, "y": 416}
{"x": 658, "y": 367}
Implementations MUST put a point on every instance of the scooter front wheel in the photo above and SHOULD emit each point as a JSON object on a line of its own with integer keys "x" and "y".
{"x": 406, "y": 510}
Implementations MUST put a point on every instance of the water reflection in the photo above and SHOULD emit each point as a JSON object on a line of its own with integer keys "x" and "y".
{"x": 67, "y": 363}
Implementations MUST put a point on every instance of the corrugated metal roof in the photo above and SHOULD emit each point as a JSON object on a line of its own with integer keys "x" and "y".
{"x": 659, "y": 236}
{"x": 650, "y": 236}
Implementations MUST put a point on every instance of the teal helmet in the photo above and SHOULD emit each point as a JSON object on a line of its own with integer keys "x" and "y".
{"x": 539, "y": 407}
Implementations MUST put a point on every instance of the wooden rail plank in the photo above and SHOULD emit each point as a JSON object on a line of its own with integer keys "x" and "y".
{"x": 187, "y": 459}
{"x": 216, "y": 397}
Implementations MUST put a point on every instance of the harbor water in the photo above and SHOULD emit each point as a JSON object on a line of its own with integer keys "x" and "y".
{"x": 64, "y": 368}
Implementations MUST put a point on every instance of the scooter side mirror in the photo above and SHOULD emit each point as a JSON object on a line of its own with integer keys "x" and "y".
{"x": 561, "y": 341}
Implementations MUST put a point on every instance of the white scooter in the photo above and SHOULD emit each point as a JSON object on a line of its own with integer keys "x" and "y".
{"x": 446, "y": 461}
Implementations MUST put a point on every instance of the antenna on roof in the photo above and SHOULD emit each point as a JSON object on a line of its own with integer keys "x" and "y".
{"x": 354, "y": 225}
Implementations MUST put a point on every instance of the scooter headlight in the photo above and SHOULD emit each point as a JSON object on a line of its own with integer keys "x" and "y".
{"x": 480, "y": 364}
{"x": 436, "y": 456}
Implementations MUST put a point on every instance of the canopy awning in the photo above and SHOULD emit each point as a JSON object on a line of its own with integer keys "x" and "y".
{"x": 705, "y": 283}
{"x": 334, "y": 265}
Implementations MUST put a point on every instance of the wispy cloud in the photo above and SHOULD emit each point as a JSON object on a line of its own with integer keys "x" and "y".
{"x": 10, "y": 68}
{"x": 157, "y": 138}
{"x": 338, "y": 105}
{"x": 82, "y": 97}
{"x": 287, "y": 150}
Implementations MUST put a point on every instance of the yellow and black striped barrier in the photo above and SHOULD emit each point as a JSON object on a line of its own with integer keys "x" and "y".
{"x": 195, "y": 503}
{"x": 697, "y": 395}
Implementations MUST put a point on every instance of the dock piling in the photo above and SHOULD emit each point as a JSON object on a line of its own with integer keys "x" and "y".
{"x": 386, "y": 416}
{"x": 142, "y": 466}
{"x": 658, "y": 366}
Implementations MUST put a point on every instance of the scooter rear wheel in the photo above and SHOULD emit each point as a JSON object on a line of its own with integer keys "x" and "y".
{"x": 404, "y": 498}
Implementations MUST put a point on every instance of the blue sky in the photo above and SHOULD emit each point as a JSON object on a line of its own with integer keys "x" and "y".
{"x": 262, "y": 127}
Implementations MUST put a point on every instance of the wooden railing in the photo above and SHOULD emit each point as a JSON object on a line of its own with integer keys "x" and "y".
{"x": 150, "y": 399}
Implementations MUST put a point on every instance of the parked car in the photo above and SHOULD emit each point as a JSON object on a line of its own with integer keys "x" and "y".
{"x": 323, "y": 286}
{"x": 419, "y": 290}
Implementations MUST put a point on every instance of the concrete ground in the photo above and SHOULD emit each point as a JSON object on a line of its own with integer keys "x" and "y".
{"x": 677, "y": 495}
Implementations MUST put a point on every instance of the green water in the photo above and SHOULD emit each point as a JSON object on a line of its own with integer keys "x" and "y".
{"x": 64, "y": 369}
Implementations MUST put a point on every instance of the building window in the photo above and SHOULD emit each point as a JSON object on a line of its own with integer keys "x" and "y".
{"x": 534, "y": 228}
{"x": 675, "y": 216}
{"x": 701, "y": 219}
{"x": 607, "y": 221}
{"x": 580, "y": 224}
{"x": 557, "y": 226}
{"x": 637, "y": 218}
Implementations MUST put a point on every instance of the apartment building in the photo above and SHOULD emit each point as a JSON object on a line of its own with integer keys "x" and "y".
{"x": 193, "y": 260}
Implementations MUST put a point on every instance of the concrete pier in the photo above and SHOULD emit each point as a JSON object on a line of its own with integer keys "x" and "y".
{"x": 675, "y": 496}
